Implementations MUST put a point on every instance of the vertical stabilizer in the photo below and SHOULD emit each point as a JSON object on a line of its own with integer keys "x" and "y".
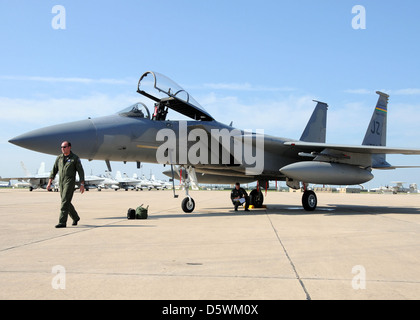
{"x": 376, "y": 131}
{"x": 108, "y": 175}
{"x": 316, "y": 129}
{"x": 27, "y": 173}
{"x": 118, "y": 176}
{"x": 41, "y": 170}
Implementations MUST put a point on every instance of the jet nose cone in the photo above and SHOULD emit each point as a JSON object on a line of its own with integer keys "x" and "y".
{"x": 81, "y": 134}
{"x": 15, "y": 140}
{"x": 23, "y": 140}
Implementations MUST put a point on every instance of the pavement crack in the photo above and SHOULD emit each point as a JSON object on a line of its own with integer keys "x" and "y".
{"x": 77, "y": 230}
{"x": 308, "y": 297}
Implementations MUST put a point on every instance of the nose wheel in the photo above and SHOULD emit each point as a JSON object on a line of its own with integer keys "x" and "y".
{"x": 188, "y": 204}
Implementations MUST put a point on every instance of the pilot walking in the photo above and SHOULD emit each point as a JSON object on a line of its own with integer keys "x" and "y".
{"x": 239, "y": 196}
{"x": 66, "y": 165}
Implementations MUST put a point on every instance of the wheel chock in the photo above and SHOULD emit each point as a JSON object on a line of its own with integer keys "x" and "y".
{"x": 251, "y": 206}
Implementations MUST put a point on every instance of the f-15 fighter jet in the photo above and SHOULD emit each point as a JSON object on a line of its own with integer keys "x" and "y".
{"x": 209, "y": 150}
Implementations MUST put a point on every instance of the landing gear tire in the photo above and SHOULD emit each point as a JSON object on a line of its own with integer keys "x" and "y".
{"x": 256, "y": 198}
{"x": 188, "y": 205}
{"x": 309, "y": 200}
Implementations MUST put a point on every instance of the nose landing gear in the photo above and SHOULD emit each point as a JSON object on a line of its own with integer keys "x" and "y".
{"x": 188, "y": 203}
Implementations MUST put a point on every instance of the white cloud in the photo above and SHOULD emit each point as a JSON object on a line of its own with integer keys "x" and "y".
{"x": 245, "y": 87}
{"x": 68, "y": 80}
{"x": 358, "y": 91}
{"x": 48, "y": 111}
{"x": 286, "y": 117}
{"x": 406, "y": 91}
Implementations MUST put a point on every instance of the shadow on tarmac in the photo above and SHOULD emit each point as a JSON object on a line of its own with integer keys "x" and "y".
{"x": 337, "y": 210}
{"x": 331, "y": 210}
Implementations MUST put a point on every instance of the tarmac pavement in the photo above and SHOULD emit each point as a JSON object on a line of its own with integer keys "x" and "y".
{"x": 354, "y": 246}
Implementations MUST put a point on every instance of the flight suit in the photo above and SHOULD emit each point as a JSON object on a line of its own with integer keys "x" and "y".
{"x": 66, "y": 167}
{"x": 241, "y": 193}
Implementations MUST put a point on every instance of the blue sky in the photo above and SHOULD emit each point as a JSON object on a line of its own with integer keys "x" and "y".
{"x": 258, "y": 63}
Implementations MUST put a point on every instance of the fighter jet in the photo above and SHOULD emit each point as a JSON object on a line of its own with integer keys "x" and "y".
{"x": 5, "y": 185}
{"x": 91, "y": 181}
{"x": 159, "y": 184}
{"x": 32, "y": 181}
{"x": 125, "y": 182}
{"x": 210, "y": 150}
{"x": 40, "y": 179}
{"x": 108, "y": 182}
{"x": 143, "y": 182}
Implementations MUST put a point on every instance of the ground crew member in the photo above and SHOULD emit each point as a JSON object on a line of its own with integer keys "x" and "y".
{"x": 66, "y": 165}
{"x": 237, "y": 194}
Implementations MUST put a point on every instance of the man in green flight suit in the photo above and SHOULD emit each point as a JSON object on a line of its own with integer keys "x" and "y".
{"x": 67, "y": 164}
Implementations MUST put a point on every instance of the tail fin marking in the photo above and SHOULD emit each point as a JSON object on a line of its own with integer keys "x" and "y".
{"x": 376, "y": 131}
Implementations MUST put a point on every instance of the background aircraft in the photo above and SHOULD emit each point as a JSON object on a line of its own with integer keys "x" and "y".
{"x": 125, "y": 182}
{"x": 108, "y": 182}
{"x": 159, "y": 184}
{"x": 397, "y": 188}
{"x": 5, "y": 185}
{"x": 31, "y": 181}
{"x": 40, "y": 179}
{"x": 91, "y": 181}
{"x": 143, "y": 182}
{"x": 133, "y": 135}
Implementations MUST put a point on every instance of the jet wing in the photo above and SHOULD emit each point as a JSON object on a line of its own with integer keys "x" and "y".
{"x": 20, "y": 178}
{"x": 93, "y": 180}
{"x": 317, "y": 147}
{"x": 355, "y": 155}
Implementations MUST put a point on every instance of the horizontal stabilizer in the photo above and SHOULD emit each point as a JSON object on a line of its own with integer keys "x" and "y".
{"x": 390, "y": 167}
{"x": 302, "y": 146}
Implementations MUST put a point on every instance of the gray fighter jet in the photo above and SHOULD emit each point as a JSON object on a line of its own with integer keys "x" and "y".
{"x": 211, "y": 151}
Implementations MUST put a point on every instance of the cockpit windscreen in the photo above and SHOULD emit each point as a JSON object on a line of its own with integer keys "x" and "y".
{"x": 137, "y": 110}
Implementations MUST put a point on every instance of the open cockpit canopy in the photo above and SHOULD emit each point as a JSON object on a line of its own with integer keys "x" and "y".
{"x": 168, "y": 94}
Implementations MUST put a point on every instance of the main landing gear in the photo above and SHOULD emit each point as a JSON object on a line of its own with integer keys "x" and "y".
{"x": 309, "y": 200}
{"x": 256, "y": 198}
